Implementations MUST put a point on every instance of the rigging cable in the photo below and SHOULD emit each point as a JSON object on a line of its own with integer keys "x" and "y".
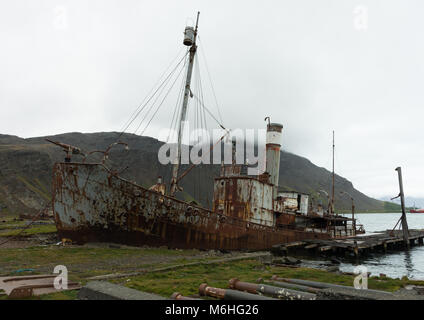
{"x": 202, "y": 100}
{"x": 151, "y": 90}
{"x": 164, "y": 98}
{"x": 156, "y": 99}
{"x": 210, "y": 113}
{"x": 202, "y": 173}
{"x": 210, "y": 79}
{"x": 151, "y": 97}
{"x": 199, "y": 128}
{"x": 177, "y": 111}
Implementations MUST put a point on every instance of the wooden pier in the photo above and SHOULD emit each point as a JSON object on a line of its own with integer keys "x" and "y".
{"x": 389, "y": 240}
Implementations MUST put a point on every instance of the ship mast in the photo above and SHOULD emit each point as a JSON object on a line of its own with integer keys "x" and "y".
{"x": 189, "y": 40}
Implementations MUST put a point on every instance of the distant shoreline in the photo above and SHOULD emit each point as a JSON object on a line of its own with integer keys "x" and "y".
{"x": 371, "y": 212}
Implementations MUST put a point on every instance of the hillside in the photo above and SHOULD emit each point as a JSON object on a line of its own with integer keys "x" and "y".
{"x": 25, "y": 172}
{"x": 410, "y": 202}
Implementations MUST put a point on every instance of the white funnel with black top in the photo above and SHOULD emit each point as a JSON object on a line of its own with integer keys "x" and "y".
{"x": 273, "y": 145}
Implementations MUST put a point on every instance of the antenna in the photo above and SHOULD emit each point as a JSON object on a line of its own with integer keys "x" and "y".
{"x": 197, "y": 20}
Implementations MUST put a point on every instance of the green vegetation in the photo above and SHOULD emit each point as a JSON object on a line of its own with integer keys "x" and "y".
{"x": 391, "y": 207}
{"x": 11, "y": 224}
{"x": 85, "y": 262}
{"x": 387, "y": 207}
{"x": 32, "y": 230}
{"x": 43, "y": 187}
{"x": 187, "y": 280}
{"x": 63, "y": 295}
{"x": 41, "y": 191}
{"x": 5, "y": 212}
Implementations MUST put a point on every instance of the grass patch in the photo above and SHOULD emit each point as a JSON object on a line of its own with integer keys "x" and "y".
{"x": 63, "y": 295}
{"x": 188, "y": 279}
{"x": 84, "y": 262}
{"x": 32, "y": 230}
{"x": 42, "y": 187}
{"x": 391, "y": 207}
{"x": 11, "y": 225}
{"x": 33, "y": 188}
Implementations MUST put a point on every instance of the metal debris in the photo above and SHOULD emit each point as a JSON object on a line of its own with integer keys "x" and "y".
{"x": 229, "y": 294}
{"x": 179, "y": 296}
{"x": 276, "y": 292}
{"x": 27, "y": 286}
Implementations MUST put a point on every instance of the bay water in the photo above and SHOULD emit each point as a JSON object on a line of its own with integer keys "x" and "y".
{"x": 394, "y": 264}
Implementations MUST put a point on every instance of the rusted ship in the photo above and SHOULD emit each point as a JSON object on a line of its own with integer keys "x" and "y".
{"x": 93, "y": 203}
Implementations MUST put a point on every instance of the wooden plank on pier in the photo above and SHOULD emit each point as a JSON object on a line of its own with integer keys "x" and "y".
{"x": 394, "y": 240}
{"x": 295, "y": 244}
{"x": 357, "y": 244}
{"x": 325, "y": 248}
{"x": 311, "y": 246}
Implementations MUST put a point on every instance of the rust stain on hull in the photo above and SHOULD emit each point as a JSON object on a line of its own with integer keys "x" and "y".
{"x": 91, "y": 203}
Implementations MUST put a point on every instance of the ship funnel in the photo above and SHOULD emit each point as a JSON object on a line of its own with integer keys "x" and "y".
{"x": 273, "y": 145}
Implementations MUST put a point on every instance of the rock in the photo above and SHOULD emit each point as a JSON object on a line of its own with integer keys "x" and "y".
{"x": 214, "y": 253}
{"x": 103, "y": 290}
{"x": 291, "y": 260}
{"x": 334, "y": 260}
{"x": 278, "y": 250}
{"x": 413, "y": 289}
{"x": 333, "y": 269}
{"x": 278, "y": 261}
{"x": 266, "y": 260}
{"x": 342, "y": 293}
{"x": 419, "y": 290}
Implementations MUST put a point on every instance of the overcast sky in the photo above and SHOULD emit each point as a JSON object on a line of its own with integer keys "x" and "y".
{"x": 312, "y": 65}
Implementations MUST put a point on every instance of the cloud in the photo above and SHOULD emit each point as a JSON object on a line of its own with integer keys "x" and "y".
{"x": 85, "y": 66}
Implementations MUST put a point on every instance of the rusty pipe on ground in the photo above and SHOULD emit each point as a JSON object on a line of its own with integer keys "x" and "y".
{"x": 179, "y": 296}
{"x": 276, "y": 292}
{"x": 308, "y": 283}
{"x": 292, "y": 286}
{"x": 228, "y": 294}
{"x": 318, "y": 285}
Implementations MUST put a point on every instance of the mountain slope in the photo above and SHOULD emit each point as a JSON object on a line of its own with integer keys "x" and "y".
{"x": 26, "y": 164}
{"x": 410, "y": 202}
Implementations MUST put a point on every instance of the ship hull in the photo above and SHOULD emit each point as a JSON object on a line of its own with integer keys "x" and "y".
{"x": 91, "y": 203}
{"x": 417, "y": 211}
